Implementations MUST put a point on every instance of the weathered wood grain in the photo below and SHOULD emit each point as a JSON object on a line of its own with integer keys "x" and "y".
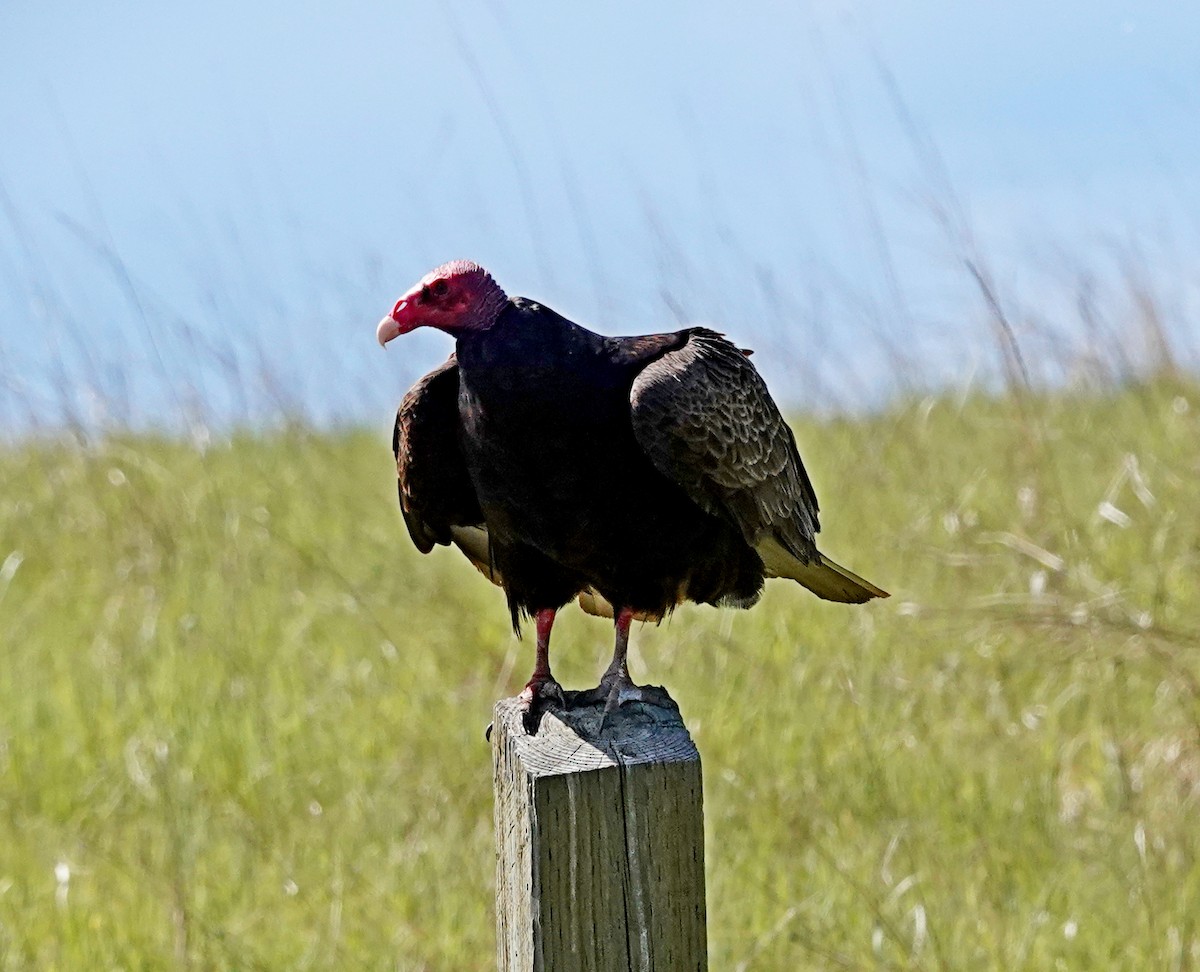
{"x": 600, "y": 842}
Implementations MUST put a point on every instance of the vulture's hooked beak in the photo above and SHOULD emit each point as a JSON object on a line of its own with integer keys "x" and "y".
{"x": 388, "y": 329}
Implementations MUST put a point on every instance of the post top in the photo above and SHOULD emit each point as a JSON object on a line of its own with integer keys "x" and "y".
{"x": 573, "y": 740}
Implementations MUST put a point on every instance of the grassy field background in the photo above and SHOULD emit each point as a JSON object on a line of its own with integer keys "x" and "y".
{"x": 241, "y": 719}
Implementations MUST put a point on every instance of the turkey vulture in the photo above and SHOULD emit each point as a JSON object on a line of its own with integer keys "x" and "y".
{"x": 632, "y": 473}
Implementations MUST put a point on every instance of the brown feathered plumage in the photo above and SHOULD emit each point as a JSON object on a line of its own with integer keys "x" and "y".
{"x": 631, "y": 472}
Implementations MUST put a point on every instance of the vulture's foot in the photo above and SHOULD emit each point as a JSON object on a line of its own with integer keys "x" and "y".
{"x": 540, "y": 695}
{"x": 617, "y": 688}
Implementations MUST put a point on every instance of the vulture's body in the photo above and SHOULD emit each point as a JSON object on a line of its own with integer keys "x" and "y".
{"x": 632, "y": 472}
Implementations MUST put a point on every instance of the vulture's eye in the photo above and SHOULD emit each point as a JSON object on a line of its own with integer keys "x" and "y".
{"x": 424, "y": 293}
{"x": 440, "y": 287}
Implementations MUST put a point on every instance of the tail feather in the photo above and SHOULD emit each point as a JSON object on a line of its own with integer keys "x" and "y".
{"x": 597, "y": 605}
{"x": 823, "y": 577}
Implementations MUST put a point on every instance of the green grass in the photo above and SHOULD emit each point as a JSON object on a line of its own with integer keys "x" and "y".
{"x": 241, "y": 719}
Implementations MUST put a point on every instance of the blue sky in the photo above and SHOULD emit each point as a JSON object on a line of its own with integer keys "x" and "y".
{"x": 207, "y": 207}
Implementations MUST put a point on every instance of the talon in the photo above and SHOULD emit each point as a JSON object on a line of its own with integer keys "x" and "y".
{"x": 616, "y": 689}
{"x": 546, "y": 689}
{"x": 541, "y": 694}
{"x": 487, "y": 733}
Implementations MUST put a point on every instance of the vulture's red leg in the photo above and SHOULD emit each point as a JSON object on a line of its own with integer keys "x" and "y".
{"x": 616, "y": 687}
{"x": 618, "y": 668}
{"x": 541, "y": 689}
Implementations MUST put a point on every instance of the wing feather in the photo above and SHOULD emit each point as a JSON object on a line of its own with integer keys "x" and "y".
{"x": 703, "y": 415}
{"x": 437, "y": 496}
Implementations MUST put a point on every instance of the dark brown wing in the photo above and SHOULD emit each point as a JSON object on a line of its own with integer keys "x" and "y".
{"x": 705, "y": 418}
{"x": 436, "y": 494}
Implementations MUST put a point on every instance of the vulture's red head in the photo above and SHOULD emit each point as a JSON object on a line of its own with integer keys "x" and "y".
{"x": 456, "y": 297}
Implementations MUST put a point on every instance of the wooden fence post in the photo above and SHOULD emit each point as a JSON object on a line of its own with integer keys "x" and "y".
{"x": 600, "y": 842}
